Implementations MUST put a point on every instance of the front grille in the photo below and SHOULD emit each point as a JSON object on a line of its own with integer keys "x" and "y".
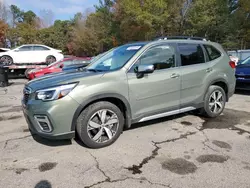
{"x": 26, "y": 94}
{"x": 242, "y": 85}
{"x": 242, "y": 76}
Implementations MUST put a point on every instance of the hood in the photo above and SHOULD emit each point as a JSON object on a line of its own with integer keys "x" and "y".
{"x": 61, "y": 78}
{"x": 4, "y": 49}
{"x": 243, "y": 70}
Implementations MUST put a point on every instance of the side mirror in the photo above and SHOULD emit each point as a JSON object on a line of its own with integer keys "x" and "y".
{"x": 16, "y": 50}
{"x": 61, "y": 66}
{"x": 140, "y": 70}
{"x": 145, "y": 69}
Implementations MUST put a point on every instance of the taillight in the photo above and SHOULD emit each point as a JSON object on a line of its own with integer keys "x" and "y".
{"x": 232, "y": 64}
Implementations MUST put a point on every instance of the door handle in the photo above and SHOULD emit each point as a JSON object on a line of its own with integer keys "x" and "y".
{"x": 174, "y": 75}
{"x": 209, "y": 70}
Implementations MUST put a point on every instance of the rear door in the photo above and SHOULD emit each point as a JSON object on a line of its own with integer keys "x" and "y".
{"x": 194, "y": 71}
{"x": 40, "y": 53}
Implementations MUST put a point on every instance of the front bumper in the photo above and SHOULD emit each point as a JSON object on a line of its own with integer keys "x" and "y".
{"x": 59, "y": 113}
{"x": 243, "y": 84}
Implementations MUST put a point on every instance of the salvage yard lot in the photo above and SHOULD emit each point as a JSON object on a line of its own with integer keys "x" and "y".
{"x": 178, "y": 151}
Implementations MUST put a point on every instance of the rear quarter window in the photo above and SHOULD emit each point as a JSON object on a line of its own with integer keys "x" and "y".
{"x": 212, "y": 52}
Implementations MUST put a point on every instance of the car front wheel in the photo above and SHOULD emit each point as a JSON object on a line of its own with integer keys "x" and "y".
{"x": 6, "y": 60}
{"x": 100, "y": 124}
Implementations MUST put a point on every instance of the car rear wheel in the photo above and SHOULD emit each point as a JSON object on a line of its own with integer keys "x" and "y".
{"x": 6, "y": 60}
{"x": 100, "y": 124}
{"x": 50, "y": 59}
{"x": 214, "y": 102}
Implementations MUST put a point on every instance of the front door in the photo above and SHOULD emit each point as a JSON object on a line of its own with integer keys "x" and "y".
{"x": 23, "y": 54}
{"x": 157, "y": 92}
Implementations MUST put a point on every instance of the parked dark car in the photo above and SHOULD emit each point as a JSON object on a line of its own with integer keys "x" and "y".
{"x": 243, "y": 75}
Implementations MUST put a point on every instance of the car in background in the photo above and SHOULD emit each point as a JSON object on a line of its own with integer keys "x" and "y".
{"x": 58, "y": 66}
{"x": 30, "y": 53}
{"x": 242, "y": 75}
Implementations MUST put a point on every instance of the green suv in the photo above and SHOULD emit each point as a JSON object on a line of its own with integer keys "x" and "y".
{"x": 132, "y": 83}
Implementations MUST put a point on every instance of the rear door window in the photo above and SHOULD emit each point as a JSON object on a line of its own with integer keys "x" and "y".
{"x": 40, "y": 48}
{"x": 191, "y": 54}
{"x": 212, "y": 52}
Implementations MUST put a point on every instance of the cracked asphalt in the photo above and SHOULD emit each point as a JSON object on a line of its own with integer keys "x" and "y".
{"x": 178, "y": 151}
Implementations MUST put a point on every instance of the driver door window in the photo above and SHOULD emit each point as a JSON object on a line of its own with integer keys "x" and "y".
{"x": 162, "y": 57}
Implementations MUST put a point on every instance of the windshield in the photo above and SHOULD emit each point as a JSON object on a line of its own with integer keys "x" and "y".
{"x": 246, "y": 61}
{"x": 115, "y": 58}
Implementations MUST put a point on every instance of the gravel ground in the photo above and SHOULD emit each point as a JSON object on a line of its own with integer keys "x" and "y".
{"x": 178, "y": 151}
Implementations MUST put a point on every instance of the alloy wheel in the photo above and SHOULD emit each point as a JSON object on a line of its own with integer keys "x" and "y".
{"x": 103, "y": 125}
{"x": 216, "y": 102}
{"x": 6, "y": 60}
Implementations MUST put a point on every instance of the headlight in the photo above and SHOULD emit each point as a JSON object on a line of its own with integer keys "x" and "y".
{"x": 55, "y": 92}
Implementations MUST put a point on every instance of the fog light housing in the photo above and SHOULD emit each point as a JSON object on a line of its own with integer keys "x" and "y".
{"x": 44, "y": 123}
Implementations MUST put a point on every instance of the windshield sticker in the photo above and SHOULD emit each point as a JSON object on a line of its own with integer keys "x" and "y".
{"x": 134, "y": 48}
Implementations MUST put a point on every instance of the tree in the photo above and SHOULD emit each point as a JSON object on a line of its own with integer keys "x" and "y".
{"x": 47, "y": 18}
{"x": 141, "y": 20}
{"x": 3, "y": 32}
{"x": 17, "y": 15}
{"x": 29, "y": 17}
{"x": 3, "y": 11}
{"x": 208, "y": 19}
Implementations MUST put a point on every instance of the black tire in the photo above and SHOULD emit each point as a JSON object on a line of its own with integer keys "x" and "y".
{"x": 206, "y": 111}
{"x": 85, "y": 117}
{"x": 50, "y": 59}
{"x": 6, "y": 60}
{"x": 26, "y": 73}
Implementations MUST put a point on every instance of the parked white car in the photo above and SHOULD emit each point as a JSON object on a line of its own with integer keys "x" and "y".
{"x": 30, "y": 53}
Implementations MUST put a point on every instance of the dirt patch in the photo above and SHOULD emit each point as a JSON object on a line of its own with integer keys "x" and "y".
{"x": 222, "y": 144}
{"x": 26, "y": 130}
{"x": 20, "y": 170}
{"x": 228, "y": 119}
{"x": 186, "y": 123}
{"x": 247, "y": 167}
{"x": 179, "y": 166}
{"x": 246, "y": 163}
{"x": 13, "y": 109}
{"x": 5, "y": 106}
{"x": 43, "y": 184}
{"x": 14, "y": 117}
{"x": 46, "y": 166}
{"x": 212, "y": 158}
{"x": 187, "y": 156}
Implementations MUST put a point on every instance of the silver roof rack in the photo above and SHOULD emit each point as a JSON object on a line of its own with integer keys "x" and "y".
{"x": 180, "y": 37}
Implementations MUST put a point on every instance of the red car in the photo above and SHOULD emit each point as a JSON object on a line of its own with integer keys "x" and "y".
{"x": 57, "y": 66}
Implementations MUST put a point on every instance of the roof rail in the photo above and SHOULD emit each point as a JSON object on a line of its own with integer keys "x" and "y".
{"x": 180, "y": 37}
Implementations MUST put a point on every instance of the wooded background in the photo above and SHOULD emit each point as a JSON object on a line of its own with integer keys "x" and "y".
{"x": 115, "y": 22}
